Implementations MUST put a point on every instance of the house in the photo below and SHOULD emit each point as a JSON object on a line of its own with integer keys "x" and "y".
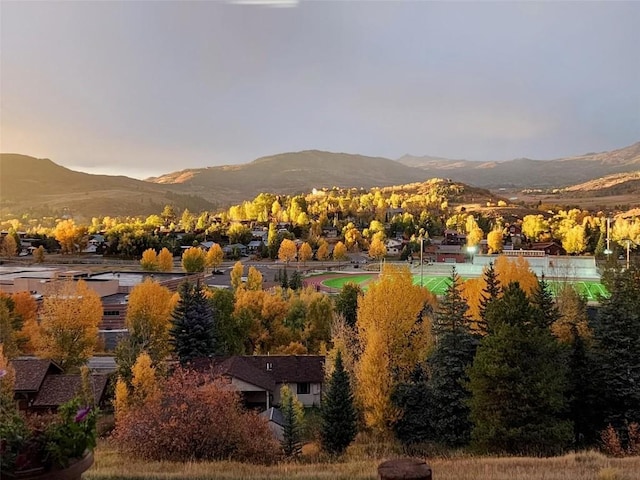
{"x": 255, "y": 246}
{"x": 41, "y": 385}
{"x": 549, "y": 248}
{"x": 235, "y": 248}
{"x": 330, "y": 232}
{"x": 259, "y": 378}
{"x": 394, "y": 246}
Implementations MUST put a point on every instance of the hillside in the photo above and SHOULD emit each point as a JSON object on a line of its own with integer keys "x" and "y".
{"x": 41, "y": 187}
{"x": 525, "y": 172}
{"x": 616, "y": 184}
{"x": 290, "y": 173}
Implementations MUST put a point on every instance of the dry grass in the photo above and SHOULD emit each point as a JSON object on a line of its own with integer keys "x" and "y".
{"x": 110, "y": 465}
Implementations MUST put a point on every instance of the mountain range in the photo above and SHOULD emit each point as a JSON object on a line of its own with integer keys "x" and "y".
{"x": 42, "y": 187}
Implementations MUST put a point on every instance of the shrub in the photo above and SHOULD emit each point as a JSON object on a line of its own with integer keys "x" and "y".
{"x": 194, "y": 420}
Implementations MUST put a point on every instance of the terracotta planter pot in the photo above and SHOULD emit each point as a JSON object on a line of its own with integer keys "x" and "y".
{"x": 72, "y": 472}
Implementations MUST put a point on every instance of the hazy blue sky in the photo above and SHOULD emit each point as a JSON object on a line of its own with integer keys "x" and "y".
{"x": 142, "y": 88}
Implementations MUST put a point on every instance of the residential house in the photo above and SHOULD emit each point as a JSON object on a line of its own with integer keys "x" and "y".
{"x": 41, "y": 385}
{"x": 394, "y": 246}
{"x": 259, "y": 378}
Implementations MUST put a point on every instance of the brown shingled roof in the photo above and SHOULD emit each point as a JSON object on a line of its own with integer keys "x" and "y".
{"x": 58, "y": 389}
{"x": 31, "y": 372}
{"x": 290, "y": 368}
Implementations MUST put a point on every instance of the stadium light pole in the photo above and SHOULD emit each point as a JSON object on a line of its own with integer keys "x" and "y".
{"x": 608, "y": 251}
{"x": 421, "y": 252}
{"x": 472, "y": 250}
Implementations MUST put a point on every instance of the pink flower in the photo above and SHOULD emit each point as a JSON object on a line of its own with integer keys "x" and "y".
{"x": 82, "y": 414}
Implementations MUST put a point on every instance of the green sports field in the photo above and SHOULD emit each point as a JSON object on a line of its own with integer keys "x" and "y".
{"x": 591, "y": 290}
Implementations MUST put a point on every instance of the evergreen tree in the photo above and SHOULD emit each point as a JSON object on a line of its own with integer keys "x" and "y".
{"x": 295, "y": 283}
{"x": 292, "y": 429}
{"x": 454, "y": 351}
{"x": 542, "y": 300}
{"x": 413, "y": 400}
{"x": 346, "y": 303}
{"x": 617, "y": 350}
{"x": 338, "y": 412}
{"x": 193, "y": 332}
{"x": 518, "y": 382}
{"x": 490, "y": 292}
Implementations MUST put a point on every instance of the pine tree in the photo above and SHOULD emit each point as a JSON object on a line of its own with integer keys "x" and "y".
{"x": 413, "y": 400}
{"x": 338, "y": 412}
{"x": 543, "y": 301}
{"x": 455, "y": 348}
{"x": 292, "y": 429}
{"x": 518, "y": 382}
{"x": 617, "y": 343}
{"x": 346, "y": 303}
{"x": 490, "y": 292}
{"x": 193, "y": 332}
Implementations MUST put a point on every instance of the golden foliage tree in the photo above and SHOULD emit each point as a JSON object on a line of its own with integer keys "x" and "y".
{"x": 165, "y": 260}
{"x": 395, "y": 336}
{"x": 236, "y": 275}
{"x": 305, "y": 253}
{"x": 574, "y": 240}
{"x": 516, "y": 270}
{"x": 8, "y": 247}
{"x": 25, "y": 306}
{"x": 494, "y": 241}
{"x": 144, "y": 381}
{"x": 38, "y": 254}
{"x": 339, "y": 252}
{"x": 193, "y": 260}
{"x": 7, "y": 382}
{"x": 474, "y": 232}
{"x": 71, "y": 237}
{"x": 214, "y": 256}
{"x": 149, "y": 260}
{"x": 573, "y": 316}
{"x": 149, "y": 318}
{"x": 377, "y": 249}
{"x": 264, "y": 313}
{"x": 121, "y": 398}
{"x": 71, "y": 313}
{"x": 254, "y": 279}
{"x": 323, "y": 251}
{"x": 287, "y": 251}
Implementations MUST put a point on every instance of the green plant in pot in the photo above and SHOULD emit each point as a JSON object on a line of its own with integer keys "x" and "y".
{"x": 45, "y": 446}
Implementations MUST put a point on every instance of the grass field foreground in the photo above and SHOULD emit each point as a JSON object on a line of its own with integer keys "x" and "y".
{"x": 110, "y": 465}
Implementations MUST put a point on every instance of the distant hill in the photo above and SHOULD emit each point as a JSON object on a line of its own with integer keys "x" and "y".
{"x": 616, "y": 184}
{"x": 527, "y": 173}
{"x": 41, "y": 187}
{"x": 291, "y": 173}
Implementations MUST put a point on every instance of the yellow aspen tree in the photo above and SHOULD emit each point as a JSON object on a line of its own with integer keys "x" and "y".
{"x": 494, "y": 241}
{"x": 25, "y": 306}
{"x": 377, "y": 250}
{"x": 71, "y": 313}
{"x": 165, "y": 260}
{"x": 305, "y": 253}
{"x": 9, "y": 247}
{"x": 574, "y": 240}
{"x": 72, "y": 238}
{"x": 149, "y": 318}
{"x": 287, "y": 251}
{"x": 474, "y": 232}
{"x": 394, "y": 335}
{"x": 121, "y": 399}
{"x": 516, "y": 270}
{"x": 472, "y": 293}
{"x": 254, "y": 279}
{"x": 214, "y": 256}
{"x": 144, "y": 381}
{"x": 339, "y": 252}
{"x": 38, "y": 254}
{"x": 193, "y": 260}
{"x": 149, "y": 260}
{"x": 323, "y": 251}
{"x": 237, "y": 273}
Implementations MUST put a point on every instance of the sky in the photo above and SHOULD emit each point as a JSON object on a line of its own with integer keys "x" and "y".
{"x": 142, "y": 88}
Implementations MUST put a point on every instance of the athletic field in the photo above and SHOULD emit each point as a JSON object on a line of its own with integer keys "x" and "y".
{"x": 591, "y": 290}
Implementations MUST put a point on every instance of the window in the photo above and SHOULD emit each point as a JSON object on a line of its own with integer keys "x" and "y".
{"x": 111, "y": 313}
{"x": 304, "y": 388}
{"x": 269, "y": 366}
